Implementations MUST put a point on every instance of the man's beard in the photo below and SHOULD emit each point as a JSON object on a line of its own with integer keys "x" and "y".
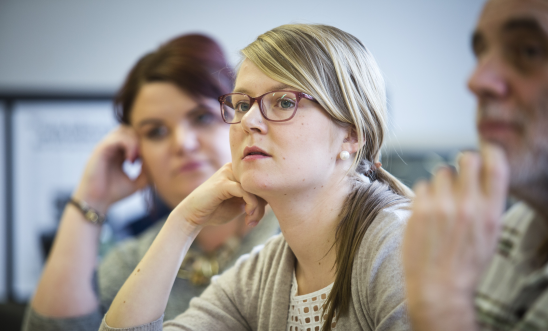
{"x": 528, "y": 168}
{"x": 528, "y": 154}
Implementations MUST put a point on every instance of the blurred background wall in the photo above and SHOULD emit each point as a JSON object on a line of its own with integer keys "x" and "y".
{"x": 61, "y": 61}
{"x": 423, "y": 47}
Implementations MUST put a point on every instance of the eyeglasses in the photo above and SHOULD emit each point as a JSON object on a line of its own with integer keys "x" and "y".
{"x": 276, "y": 106}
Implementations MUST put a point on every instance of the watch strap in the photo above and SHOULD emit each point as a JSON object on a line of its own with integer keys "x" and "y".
{"x": 89, "y": 213}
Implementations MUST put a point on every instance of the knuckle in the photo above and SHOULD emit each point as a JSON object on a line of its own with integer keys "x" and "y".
{"x": 468, "y": 159}
{"x": 465, "y": 211}
{"x": 495, "y": 170}
{"x": 439, "y": 173}
{"x": 420, "y": 207}
{"x": 444, "y": 210}
{"x": 419, "y": 187}
{"x": 491, "y": 219}
{"x": 424, "y": 211}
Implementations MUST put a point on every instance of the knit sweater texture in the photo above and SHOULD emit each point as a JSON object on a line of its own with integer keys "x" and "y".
{"x": 255, "y": 293}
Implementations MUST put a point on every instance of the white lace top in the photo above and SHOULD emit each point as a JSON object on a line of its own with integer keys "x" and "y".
{"x": 305, "y": 311}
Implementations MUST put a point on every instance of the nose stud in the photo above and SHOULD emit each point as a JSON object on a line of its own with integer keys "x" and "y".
{"x": 344, "y": 155}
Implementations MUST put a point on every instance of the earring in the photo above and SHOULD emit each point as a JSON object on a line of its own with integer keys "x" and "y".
{"x": 344, "y": 155}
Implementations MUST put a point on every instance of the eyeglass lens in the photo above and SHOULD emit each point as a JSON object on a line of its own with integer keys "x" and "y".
{"x": 277, "y": 106}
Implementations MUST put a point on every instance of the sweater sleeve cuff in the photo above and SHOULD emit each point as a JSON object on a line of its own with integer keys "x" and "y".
{"x": 152, "y": 326}
{"x": 35, "y": 321}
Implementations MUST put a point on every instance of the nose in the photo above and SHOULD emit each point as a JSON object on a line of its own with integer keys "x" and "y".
{"x": 489, "y": 79}
{"x": 185, "y": 139}
{"x": 253, "y": 120}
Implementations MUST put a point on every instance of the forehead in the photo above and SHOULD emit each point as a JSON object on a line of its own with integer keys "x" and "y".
{"x": 166, "y": 100}
{"x": 498, "y": 13}
{"x": 251, "y": 80}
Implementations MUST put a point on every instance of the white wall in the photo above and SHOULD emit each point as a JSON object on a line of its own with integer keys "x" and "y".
{"x": 422, "y": 46}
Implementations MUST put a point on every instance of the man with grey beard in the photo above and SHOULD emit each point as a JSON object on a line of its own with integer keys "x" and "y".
{"x": 467, "y": 266}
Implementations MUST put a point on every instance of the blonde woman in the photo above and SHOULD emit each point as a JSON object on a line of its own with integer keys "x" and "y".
{"x": 307, "y": 120}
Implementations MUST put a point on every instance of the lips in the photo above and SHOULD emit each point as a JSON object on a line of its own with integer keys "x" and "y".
{"x": 496, "y": 128}
{"x": 254, "y": 152}
{"x": 191, "y": 166}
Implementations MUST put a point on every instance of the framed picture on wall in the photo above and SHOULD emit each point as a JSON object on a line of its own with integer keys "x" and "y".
{"x": 51, "y": 142}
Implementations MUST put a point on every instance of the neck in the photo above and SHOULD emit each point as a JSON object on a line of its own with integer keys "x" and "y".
{"x": 308, "y": 221}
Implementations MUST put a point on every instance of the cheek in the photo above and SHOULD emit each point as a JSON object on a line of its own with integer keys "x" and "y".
{"x": 537, "y": 131}
{"x": 236, "y": 139}
{"x": 308, "y": 148}
{"x": 216, "y": 143}
{"x": 534, "y": 114}
{"x": 530, "y": 96}
{"x": 154, "y": 157}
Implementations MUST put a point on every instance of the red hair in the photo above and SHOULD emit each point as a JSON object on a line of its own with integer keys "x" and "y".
{"x": 195, "y": 63}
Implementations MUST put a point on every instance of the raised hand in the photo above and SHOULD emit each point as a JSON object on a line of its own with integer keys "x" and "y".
{"x": 65, "y": 288}
{"x": 104, "y": 181}
{"x": 451, "y": 237}
{"x": 218, "y": 200}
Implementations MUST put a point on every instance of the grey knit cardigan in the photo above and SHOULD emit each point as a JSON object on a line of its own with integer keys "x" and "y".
{"x": 254, "y": 294}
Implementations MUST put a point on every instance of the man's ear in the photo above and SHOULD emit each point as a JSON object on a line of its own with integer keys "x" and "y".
{"x": 350, "y": 142}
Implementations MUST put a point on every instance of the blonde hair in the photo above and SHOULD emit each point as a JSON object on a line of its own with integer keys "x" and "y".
{"x": 335, "y": 68}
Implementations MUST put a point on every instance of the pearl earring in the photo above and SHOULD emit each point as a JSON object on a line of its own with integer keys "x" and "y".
{"x": 344, "y": 155}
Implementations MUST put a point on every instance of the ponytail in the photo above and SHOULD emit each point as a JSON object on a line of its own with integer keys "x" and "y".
{"x": 361, "y": 207}
{"x": 395, "y": 185}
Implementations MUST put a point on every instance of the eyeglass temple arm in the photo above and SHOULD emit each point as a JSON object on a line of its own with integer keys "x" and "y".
{"x": 309, "y": 97}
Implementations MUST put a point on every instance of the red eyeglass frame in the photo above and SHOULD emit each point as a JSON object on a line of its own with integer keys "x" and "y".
{"x": 259, "y": 99}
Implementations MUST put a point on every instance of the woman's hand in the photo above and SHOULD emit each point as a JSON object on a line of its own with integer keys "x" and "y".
{"x": 218, "y": 200}
{"x": 146, "y": 291}
{"x": 104, "y": 181}
{"x": 65, "y": 289}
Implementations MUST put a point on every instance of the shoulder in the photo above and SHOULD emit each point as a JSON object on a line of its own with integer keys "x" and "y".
{"x": 377, "y": 278}
{"x": 386, "y": 231}
{"x": 381, "y": 244}
{"x": 378, "y": 262}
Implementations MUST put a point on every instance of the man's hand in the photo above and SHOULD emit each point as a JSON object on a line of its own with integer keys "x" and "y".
{"x": 451, "y": 237}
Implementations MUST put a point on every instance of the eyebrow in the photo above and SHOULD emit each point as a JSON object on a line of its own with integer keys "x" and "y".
{"x": 156, "y": 121}
{"x": 477, "y": 39}
{"x": 274, "y": 88}
{"x": 523, "y": 23}
{"x": 149, "y": 121}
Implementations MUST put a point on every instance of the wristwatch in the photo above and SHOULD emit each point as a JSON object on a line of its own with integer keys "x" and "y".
{"x": 89, "y": 213}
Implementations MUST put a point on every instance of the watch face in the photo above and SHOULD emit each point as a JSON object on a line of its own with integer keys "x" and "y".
{"x": 92, "y": 216}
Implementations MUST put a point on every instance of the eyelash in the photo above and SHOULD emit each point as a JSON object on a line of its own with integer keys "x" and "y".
{"x": 197, "y": 119}
{"x": 200, "y": 120}
{"x": 153, "y": 133}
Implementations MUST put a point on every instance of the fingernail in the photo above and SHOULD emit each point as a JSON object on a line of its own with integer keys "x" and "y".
{"x": 252, "y": 212}
{"x": 253, "y": 224}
